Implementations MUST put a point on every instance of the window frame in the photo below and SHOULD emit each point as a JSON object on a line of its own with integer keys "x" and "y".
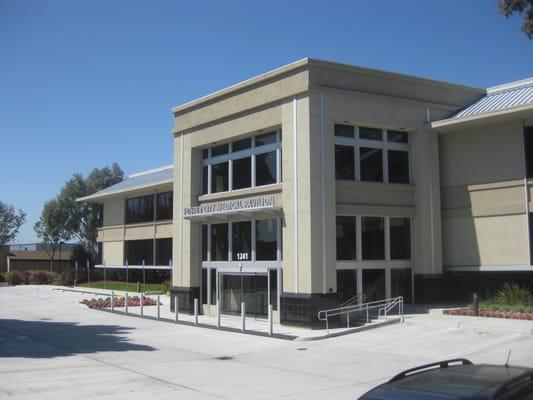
{"x": 251, "y": 152}
{"x": 384, "y": 145}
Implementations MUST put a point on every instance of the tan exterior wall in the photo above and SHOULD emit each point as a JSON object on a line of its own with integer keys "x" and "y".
{"x": 484, "y": 196}
{"x": 113, "y": 253}
{"x": 114, "y": 211}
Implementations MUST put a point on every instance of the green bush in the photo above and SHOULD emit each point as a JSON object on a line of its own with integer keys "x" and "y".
{"x": 165, "y": 286}
{"x": 513, "y": 294}
{"x": 15, "y": 277}
{"x": 2, "y": 279}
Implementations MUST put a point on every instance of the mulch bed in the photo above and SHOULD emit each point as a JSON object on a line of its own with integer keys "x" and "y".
{"x": 491, "y": 314}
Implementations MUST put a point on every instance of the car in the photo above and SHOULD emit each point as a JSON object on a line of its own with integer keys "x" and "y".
{"x": 457, "y": 379}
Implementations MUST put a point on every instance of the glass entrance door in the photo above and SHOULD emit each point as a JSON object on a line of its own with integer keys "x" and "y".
{"x": 251, "y": 289}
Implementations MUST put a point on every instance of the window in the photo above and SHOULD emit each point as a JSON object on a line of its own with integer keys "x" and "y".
{"x": 371, "y": 164}
{"x": 401, "y": 283}
{"x": 138, "y": 251}
{"x": 242, "y": 173}
{"x": 265, "y": 168}
{"x": 140, "y": 209}
{"x": 204, "y": 286}
{"x": 253, "y": 161}
{"x": 164, "y": 206}
{"x": 266, "y": 234}
{"x": 371, "y": 154}
{"x": 400, "y": 238}
{"x": 219, "y": 242}
{"x": 528, "y": 144}
{"x": 346, "y": 239}
{"x": 100, "y": 254}
{"x": 398, "y": 166}
{"x": 163, "y": 251}
{"x": 242, "y": 241}
{"x": 373, "y": 238}
{"x": 344, "y": 162}
{"x": 255, "y": 240}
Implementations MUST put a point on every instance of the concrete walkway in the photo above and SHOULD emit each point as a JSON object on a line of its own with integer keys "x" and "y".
{"x": 52, "y": 347}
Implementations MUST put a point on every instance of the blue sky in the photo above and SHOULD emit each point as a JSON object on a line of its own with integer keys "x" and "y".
{"x": 87, "y": 83}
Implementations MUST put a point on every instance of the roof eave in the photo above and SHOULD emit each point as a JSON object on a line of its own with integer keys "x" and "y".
{"x": 96, "y": 196}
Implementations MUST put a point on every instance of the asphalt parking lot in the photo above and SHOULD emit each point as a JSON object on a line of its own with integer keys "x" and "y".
{"x": 52, "y": 347}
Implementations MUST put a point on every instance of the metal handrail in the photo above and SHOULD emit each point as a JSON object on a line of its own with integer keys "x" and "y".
{"x": 386, "y": 304}
{"x": 358, "y": 298}
{"x": 396, "y": 301}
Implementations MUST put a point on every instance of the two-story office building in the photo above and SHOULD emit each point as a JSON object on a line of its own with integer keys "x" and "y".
{"x": 317, "y": 181}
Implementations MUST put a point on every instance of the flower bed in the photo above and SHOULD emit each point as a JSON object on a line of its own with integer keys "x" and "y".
{"x": 491, "y": 314}
{"x": 118, "y": 302}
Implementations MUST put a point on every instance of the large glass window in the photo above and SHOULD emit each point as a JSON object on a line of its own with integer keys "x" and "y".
{"x": 344, "y": 162}
{"x": 374, "y": 284}
{"x": 380, "y": 155}
{"x": 253, "y": 161}
{"x": 346, "y": 239}
{"x": 138, "y": 251}
{"x": 373, "y": 238}
{"x": 242, "y": 173}
{"x": 265, "y": 169}
{"x": 400, "y": 238}
{"x": 163, "y": 251}
{"x": 528, "y": 144}
{"x": 140, "y": 209}
{"x": 213, "y": 278}
{"x": 164, "y": 206}
{"x": 242, "y": 241}
{"x": 219, "y": 177}
{"x": 219, "y": 242}
{"x": 204, "y": 286}
{"x": 266, "y": 233}
{"x": 346, "y": 284}
{"x": 401, "y": 283}
{"x": 204, "y": 242}
{"x": 398, "y": 166}
{"x": 371, "y": 164}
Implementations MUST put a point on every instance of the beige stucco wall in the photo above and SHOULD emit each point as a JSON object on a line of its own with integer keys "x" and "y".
{"x": 113, "y": 253}
{"x": 114, "y": 211}
{"x": 483, "y": 196}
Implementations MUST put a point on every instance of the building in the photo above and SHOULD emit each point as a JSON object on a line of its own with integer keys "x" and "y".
{"x": 316, "y": 182}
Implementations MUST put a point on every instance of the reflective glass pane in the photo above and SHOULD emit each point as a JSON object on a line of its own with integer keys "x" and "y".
{"x": 374, "y": 284}
{"x": 205, "y": 179}
{"x": 242, "y": 173}
{"x": 346, "y": 249}
{"x": 219, "y": 177}
{"x": 266, "y": 233}
{"x": 213, "y": 286}
{"x": 274, "y": 288}
{"x": 401, "y": 283}
{"x": 371, "y": 164}
{"x": 163, "y": 251}
{"x": 346, "y": 284}
{"x": 400, "y": 238}
{"x": 265, "y": 168}
{"x": 267, "y": 138}
{"x": 204, "y": 242}
{"x": 242, "y": 144}
{"x": 344, "y": 130}
{"x": 137, "y": 251}
{"x": 398, "y": 166}
{"x": 164, "y": 206}
{"x": 397, "y": 137}
{"x": 204, "y": 286}
{"x": 370, "y": 133}
{"x": 242, "y": 241}
{"x": 219, "y": 242}
{"x": 219, "y": 150}
{"x": 205, "y": 154}
{"x": 140, "y": 209}
{"x": 373, "y": 238}
{"x": 344, "y": 162}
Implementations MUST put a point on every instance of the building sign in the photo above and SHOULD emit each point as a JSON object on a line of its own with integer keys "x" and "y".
{"x": 229, "y": 206}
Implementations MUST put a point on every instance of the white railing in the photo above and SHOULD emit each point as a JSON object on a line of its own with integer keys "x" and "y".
{"x": 383, "y": 306}
{"x": 357, "y": 299}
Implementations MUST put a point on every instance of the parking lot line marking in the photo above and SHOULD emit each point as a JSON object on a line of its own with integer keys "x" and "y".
{"x": 482, "y": 346}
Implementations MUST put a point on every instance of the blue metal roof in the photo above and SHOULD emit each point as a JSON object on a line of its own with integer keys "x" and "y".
{"x": 140, "y": 180}
{"x": 501, "y": 98}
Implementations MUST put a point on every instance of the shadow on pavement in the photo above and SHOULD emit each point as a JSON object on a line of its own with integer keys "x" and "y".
{"x": 45, "y": 339}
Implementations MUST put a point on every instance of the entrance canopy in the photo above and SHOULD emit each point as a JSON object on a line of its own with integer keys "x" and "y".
{"x": 254, "y": 207}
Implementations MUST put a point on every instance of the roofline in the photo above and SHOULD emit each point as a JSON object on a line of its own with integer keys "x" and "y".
{"x": 96, "y": 196}
{"x": 443, "y": 123}
{"x": 510, "y": 85}
{"x": 149, "y": 171}
{"x": 317, "y": 62}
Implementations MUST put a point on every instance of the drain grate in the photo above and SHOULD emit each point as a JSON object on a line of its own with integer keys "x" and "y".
{"x": 224, "y": 358}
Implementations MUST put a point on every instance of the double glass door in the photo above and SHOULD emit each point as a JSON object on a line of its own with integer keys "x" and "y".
{"x": 251, "y": 289}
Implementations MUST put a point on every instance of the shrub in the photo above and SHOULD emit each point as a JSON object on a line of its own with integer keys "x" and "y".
{"x": 66, "y": 278}
{"x": 513, "y": 294}
{"x": 15, "y": 277}
{"x": 41, "y": 277}
{"x": 165, "y": 286}
{"x": 2, "y": 279}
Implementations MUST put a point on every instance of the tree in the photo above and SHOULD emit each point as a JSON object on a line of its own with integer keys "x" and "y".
{"x": 52, "y": 228}
{"x": 82, "y": 219}
{"x": 525, "y": 7}
{"x": 10, "y": 222}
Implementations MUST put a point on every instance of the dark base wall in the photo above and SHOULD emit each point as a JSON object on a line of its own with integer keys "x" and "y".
{"x": 302, "y": 309}
{"x": 186, "y": 296}
{"x": 459, "y": 286}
